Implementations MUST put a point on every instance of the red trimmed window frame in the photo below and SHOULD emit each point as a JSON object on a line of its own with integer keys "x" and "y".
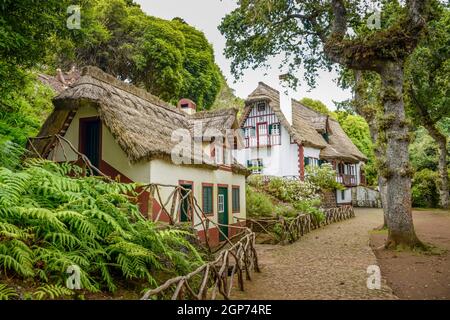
{"x": 81, "y": 135}
{"x": 205, "y": 184}
{"x": 191, "y": 183}
{"x": 234, "y": 187}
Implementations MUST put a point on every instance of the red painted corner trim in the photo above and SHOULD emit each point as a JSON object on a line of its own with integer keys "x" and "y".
{"x": 301, "y": 162}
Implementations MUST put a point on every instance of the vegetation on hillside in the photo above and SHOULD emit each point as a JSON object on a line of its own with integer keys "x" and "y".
{"x": 50, "y": 222}
{"x": 170, "y": 59}
{"x": 272, "y": 196}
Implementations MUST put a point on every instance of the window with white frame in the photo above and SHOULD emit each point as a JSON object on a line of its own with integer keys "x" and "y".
{"x": 255, "y": 165}
{"x": 275, "y": 129}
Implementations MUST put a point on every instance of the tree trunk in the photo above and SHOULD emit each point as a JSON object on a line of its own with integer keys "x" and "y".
{"x": 443, "y": 173}
{"x": 397, "y": 171}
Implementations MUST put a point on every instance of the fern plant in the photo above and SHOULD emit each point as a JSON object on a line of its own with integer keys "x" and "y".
{"x": 50, "y": 221}
{"x": 7, "y": 293}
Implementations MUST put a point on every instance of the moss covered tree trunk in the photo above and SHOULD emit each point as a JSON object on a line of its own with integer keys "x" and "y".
{"x": 397, "y": 170}
{"x": 443, "y": 186}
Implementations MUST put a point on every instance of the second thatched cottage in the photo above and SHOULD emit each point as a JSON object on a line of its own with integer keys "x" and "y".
{"x": 282, "y": 137}
{"x": 128, "y": 133}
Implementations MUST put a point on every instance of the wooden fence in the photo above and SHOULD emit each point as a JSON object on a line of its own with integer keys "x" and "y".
{"x": 216, "y": 277}
{"x": 291, "y": 230}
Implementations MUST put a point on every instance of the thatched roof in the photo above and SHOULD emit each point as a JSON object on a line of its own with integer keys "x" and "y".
{"x": 308, "y": 126}
{"x": 304, "y": 134}
{"x": 61, "y": 81}
{"x": 141, "y": 123}
{"x": 339, "y": 145}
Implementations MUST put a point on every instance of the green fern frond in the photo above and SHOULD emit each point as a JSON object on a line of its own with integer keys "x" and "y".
{"x": 52, "y": 291}
{"x": 7, "y": 293}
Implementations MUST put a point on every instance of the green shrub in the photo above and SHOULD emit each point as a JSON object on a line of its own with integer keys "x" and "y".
{"x": 285, "y": 210}
{"x": 258, "y": 204}
{"x": 323, "y": 177}
{"x": 425, "y": 193}
{"x": 310, "y": 207}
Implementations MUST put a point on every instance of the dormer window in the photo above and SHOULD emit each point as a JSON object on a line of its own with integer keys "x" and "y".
{"x": 184, "y": 106}
{"x": 261, "y": 107}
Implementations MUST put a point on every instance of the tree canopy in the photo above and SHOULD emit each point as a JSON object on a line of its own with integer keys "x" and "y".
{"x": 171, "y": 59}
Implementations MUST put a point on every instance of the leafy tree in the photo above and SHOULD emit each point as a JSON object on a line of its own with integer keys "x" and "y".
{"x": 316, "y": 34}
{"x": 316, "y": 105}
{"x": 424, "y": 152}
{"x": 428, "y": 83}
{"x": 25, "y": 27}
{"x": 358, "y": 131}
{"x": 168, "y": 58}
{"x": 24, "y": 109}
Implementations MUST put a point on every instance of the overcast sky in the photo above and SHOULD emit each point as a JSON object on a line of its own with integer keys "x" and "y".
{"x": 206, "y": 15}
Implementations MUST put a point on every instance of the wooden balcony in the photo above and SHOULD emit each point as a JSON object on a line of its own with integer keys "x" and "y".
{"x": 347, "y": 180}
{"x": 263, "y": 141}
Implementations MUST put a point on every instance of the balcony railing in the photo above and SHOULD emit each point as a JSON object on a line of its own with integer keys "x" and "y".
{"x": 264, "y": 141}
{"x": 347, "y": 180}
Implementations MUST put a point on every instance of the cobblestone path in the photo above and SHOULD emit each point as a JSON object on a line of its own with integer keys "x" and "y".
{"x": 329, "y": 263}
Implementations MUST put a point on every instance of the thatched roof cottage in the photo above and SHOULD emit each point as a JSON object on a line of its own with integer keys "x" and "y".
{"x": 282, "y": 136}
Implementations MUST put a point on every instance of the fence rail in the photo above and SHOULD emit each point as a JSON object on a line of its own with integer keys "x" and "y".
{"x": 216, "y": 277}
{"x": 292, "y": 229}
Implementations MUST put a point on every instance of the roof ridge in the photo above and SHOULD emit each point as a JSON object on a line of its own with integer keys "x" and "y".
{"x": 100, "y": 75}
{"x": 311, "y": 109}
{"x": 269, "y": 87}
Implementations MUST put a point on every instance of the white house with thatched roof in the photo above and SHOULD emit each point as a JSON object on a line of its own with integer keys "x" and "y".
{"x": 282, "y": 136}
{"x": 132, "y": 135}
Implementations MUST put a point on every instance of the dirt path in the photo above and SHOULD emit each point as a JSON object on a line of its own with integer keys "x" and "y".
{"x": 414, "y": 275}
{"x": 328, "y": 263}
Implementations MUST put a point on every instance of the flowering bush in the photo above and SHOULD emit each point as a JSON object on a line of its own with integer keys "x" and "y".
{"x": 323, "y": 177}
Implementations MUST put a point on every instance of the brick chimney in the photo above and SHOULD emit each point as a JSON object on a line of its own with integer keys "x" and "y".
{"x": 187, "y": 106}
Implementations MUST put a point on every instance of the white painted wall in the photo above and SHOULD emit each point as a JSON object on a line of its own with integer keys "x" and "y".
{"x": 347, "y": 196}
{"x": 111, "y": 151}
{"x": 311, "y": 152}
{"x": 167, "y": 173}
{"x": 279, "y": 160}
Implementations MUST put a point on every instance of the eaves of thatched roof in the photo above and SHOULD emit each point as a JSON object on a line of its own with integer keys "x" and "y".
{"x": 141, "y": 123}
{"x": 339, "y": 145}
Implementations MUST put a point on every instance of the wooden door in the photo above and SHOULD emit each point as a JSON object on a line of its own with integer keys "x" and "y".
{"x": 222, "y": 211}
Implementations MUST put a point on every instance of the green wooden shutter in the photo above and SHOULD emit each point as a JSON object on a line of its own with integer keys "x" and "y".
{"x": 207, "y": 200}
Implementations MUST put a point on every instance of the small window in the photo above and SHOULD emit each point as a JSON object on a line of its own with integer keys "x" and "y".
{"x": 221, "y": 203}
{"x": 262, "y": 107}
{"x": 236, "y": 200}
{"x": 207, "y": 199}
{"x": 184, "y": 106}
{"x": 256, "y": 165}
{"x": 343, "y": 194}
{"x": 275, "y": 129}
